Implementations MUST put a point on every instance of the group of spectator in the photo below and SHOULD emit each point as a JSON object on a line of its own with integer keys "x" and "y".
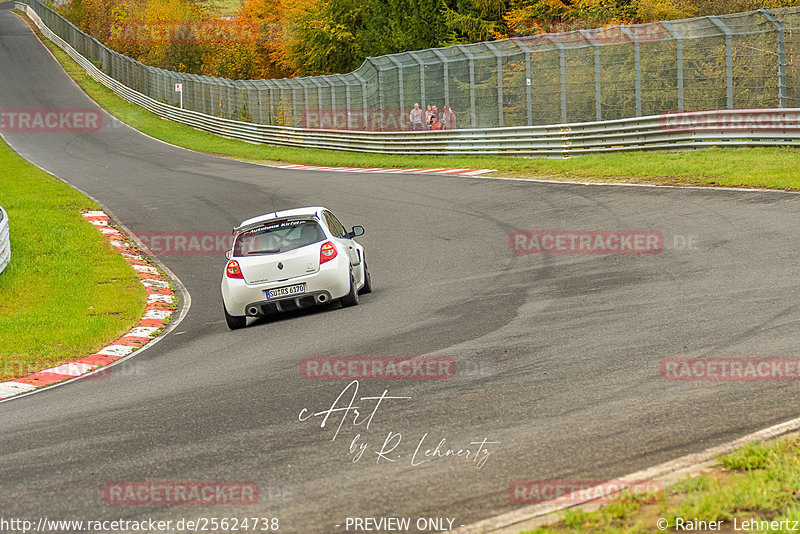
{"x": 432, "y": 118}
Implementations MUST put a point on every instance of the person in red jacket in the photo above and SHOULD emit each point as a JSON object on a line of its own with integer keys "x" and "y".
{"x": 449, "y": 118}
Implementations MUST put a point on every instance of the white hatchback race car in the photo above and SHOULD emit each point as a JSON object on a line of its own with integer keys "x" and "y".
{"x": 289, "y": 260}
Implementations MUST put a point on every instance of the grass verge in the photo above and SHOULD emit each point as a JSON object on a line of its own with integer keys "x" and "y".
{"x": 67, "y": 292}
{"x": 774, "y": 167}
{"x": 747, "y": 490}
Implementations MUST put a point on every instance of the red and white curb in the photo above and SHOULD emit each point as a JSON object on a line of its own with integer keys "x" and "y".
{"x": 380, "y": 170}
{"x": 160, "y": 300}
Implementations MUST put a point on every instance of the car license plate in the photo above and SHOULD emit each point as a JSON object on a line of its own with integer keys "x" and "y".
{"x": 285, "y": 291}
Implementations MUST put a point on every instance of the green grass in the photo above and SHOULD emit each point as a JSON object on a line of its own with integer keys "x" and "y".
{"x": 777, "y": 167}
{"x": 67, "y": 292}
{"x": 759, "y": 481}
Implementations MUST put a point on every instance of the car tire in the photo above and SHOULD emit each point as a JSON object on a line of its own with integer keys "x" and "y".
{"x": 235, "y": 322}
{"x": 351, "y": 299}
{"x": 367, "y": 287}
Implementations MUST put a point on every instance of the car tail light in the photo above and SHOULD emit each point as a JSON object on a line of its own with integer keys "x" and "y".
{"x": 233, "y": 270}
{"x": 327, "y": 252}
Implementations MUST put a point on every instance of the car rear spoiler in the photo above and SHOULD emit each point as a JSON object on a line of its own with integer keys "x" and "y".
{"x": 272, "y": 219}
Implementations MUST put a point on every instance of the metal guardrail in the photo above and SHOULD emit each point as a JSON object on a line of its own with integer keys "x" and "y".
{"x": 671, "y": 131}
{"x": 5, "y": 240}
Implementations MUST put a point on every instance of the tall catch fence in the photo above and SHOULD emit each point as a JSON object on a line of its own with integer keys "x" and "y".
{"x": 739, "y": 61}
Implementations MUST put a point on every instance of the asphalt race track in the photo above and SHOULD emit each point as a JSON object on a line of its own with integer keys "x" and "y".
{"x": 557, "y": 356}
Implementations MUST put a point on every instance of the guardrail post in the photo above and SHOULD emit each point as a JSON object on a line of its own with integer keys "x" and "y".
{"x": 421, "y": 78}
{"x": 637, "y": 69}
{"x": 728, "y": 59}
{"x": 562, "y": 66}
{"x": 499, "y": 58}
{"x": 781, "y": 55}
{"x": 678, "y": 59}
{"x": 471, "y": 59}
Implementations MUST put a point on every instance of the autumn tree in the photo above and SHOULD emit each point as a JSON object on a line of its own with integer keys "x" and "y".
{"x": 328, "y": 37}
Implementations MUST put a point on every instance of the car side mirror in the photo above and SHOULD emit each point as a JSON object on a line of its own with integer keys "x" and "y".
{"x": 228, "y": 254}
{"x": 357, "y": 231}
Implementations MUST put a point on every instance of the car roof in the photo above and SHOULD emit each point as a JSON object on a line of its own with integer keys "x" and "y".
{"x": 310, "y": 212}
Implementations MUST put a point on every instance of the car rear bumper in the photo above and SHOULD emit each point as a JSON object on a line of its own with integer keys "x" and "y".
{"x": 331, "y": 282}
{"x": 283, "y": 304}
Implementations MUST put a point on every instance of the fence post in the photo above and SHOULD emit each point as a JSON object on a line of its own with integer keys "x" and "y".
{"x": 271, "y": 101}
{"x": 401, "y": 88}
{"x": 380, "y": 91}
{"x": 528, "y": 81}
{"x": 343, "y": 80}
{"x": 260, "y": 101}
{"x": 284, "y": 102}
{"x": 319, "y": 98}
{"x": 421, "y": 77}
{"x": 598, "y": 110}
{"x": 499, "y": 58}
{"x": 233, "y": 105}
{"x": 445, "y": 75}
{"x": 781, "y": 55}
{"x": 562, "y": 66}
{"x": 332, "y": 86}
{"x": 302, "y": 82}
{"x": 678, "y": 59}
{"x": 728, "y": 59}
{"x": 637, "y": 69}
{"x": 295, "y": 115}
{"x": 471, "y": 58}
{"x": 363, "y": 83}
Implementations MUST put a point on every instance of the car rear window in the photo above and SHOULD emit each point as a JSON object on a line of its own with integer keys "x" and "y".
{"x": 277, "y": 237}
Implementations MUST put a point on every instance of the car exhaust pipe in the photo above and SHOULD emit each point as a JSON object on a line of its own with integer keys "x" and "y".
{"x": 253, "y": 310}
{"x": 321, "y": 298}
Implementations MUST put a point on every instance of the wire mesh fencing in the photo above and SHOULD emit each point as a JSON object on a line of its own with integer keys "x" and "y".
{"x": 738, "y": 61}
